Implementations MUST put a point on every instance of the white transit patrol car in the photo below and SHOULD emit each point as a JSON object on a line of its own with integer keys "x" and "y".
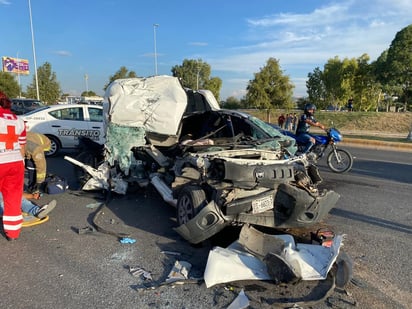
{"x": 64, "y": 123}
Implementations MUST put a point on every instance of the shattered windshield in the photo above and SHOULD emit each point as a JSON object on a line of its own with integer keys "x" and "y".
{"x": 265, "y": 127}
{"x": 289, "y": 142}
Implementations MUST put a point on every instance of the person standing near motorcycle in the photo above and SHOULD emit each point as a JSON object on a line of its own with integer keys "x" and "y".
{"x": 305, "y": 122}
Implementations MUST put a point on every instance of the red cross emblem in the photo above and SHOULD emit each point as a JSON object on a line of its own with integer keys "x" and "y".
{"x": 10, "y": 137}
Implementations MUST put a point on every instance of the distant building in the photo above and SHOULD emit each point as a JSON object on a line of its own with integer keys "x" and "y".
{"x": 80, "y": 99}
{"x": 92, "y": 100}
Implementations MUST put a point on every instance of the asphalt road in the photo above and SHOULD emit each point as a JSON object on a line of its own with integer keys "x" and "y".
{"x": 52, "y": 265}
{"x": 375, "y": 213}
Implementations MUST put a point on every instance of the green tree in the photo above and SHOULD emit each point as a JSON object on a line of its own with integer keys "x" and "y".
{"x": 301, "y": 102}
{"x": 399, "y": 63}
{"x": 214, "y": 84}
{"x": 366, "y": 91}
{"x": 9, "y": 85}
{"x": 49, "y": 87}
{"x": 270, "y": 88}
{"x": 195, "y": 74}
{"x": 316, "y": 88}
{"x": 380, "y": 71}
{"x": 338, "y": 77}
{"x": 232, "y": 103}
{"x": 379, "y": 68}
{"x": 123, "y": 72}
{"x": 88, "y": 93}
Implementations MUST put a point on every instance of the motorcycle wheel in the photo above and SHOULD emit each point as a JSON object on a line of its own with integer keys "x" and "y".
{"x": 340, "y": 161}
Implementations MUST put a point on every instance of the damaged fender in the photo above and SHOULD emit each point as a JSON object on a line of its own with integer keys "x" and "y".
{"x": 208, "y": 222}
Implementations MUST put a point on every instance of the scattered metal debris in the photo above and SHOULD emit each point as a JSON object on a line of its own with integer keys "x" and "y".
{"x": 170, "y": 252}
{"x": 93, "y": 205}
{"x": 140, "y": 272}
{"x": 240, "y": 302}
{"x": 251, "y": 258}
{"x": 180, "y": 271}
{"x": 85, "y": 230}
{"x": 179, "y": 275}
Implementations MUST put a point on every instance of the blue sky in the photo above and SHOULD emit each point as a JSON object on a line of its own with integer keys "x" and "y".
{"x": 236, "y": 37}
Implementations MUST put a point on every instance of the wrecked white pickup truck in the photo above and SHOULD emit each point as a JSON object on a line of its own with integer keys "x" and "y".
{"x": 217, "y": 167}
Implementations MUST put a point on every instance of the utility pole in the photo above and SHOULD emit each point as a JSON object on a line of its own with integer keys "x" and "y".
{"x": 155, "y": 51}
{"x": 18, "y": 73}
{"x": 34, "y": 53}
{"x": 86, "y": 78}
{"x": 197, "y": 74}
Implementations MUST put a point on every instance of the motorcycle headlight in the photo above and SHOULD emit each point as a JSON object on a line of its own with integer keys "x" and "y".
{"x": 335, "y": 134}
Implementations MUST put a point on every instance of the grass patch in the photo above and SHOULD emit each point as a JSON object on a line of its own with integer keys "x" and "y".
{"x": 379, "y": 138}
{"x": 386, "y": 122}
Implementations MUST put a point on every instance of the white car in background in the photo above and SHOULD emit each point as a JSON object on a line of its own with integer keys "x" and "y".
{"x": 63, "y": 124}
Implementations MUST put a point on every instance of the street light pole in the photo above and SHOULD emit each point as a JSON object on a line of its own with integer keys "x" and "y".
{"x": 34, "y": 53}
{"x": 86, "y": 78}
{"x": 18, "y": 73}
{"x": 155, "y": 51}
{"x": 197, "y": 74}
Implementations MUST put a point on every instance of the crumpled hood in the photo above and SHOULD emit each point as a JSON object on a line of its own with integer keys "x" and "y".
{"x": 155, "y": 103}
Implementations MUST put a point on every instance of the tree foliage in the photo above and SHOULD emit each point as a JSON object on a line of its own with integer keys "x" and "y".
{"x": 270, "y": 88}
{"x": 232, "y": 103}
{"x": 336, "y": 79}
{"x": 316, "y": 88}
{"x": 49, "y": 87}
{"x": 214, "y": 84}
{"x": 123, "y": 72}
{"x": 195, "y": 74}
{"x": 399, "y": 63}
{"x": 370, "y": 85}
{"x": 88, "y": 93}
{"x": 342, "y": 80}
{"x": 9, "y": 85}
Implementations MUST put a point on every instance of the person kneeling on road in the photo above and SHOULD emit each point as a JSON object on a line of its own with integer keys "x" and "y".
{"x": 35, "y": 159}
{"x": 31, "y": 208}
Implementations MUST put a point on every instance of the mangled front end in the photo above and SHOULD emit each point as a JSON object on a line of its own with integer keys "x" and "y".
{"x": 213, "y": 186}
{"x": 245, "y": 186}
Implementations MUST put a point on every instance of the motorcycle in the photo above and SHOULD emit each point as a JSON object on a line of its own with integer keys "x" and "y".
{"x": 338, "y": 160}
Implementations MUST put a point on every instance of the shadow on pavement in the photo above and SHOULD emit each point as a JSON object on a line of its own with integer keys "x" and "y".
{"x": 371, "y": 220}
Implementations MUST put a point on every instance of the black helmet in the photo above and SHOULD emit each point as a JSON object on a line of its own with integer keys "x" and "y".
{"x": 309, "y": 106}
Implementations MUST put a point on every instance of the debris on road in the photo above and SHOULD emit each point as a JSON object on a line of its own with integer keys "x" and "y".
{"x": 170, "y": 252}
{"x": 140, "y": 272}
{"x": 180, "y": 271}
{"x": 179, "y": 275}
{"x": 240, "y": 302}
{"x": 93, "y": 205}
{"x": 127, "y": 240}
{"x": 85, "y": 230}
{"x": 260, "y": 256}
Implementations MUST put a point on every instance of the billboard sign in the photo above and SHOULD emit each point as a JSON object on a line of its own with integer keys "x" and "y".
{"x": 15, "y": 65}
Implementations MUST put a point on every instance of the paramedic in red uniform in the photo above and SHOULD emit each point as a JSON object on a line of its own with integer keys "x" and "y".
{"x": 12, "y": 146}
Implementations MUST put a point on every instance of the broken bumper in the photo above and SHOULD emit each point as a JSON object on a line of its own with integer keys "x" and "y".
{"x": 294, "y": 208}
{"x": 208, "y": 222}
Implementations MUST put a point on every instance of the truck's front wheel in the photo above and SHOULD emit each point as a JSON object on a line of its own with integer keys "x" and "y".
{"x": 190, "y": 201}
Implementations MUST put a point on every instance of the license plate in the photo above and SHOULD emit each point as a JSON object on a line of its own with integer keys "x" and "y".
{"x": 262, "y": 204}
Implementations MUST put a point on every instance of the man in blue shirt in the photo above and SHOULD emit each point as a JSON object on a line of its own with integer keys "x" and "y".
{"x": 31, "y": 208}
{"x": 305, "y": 122}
